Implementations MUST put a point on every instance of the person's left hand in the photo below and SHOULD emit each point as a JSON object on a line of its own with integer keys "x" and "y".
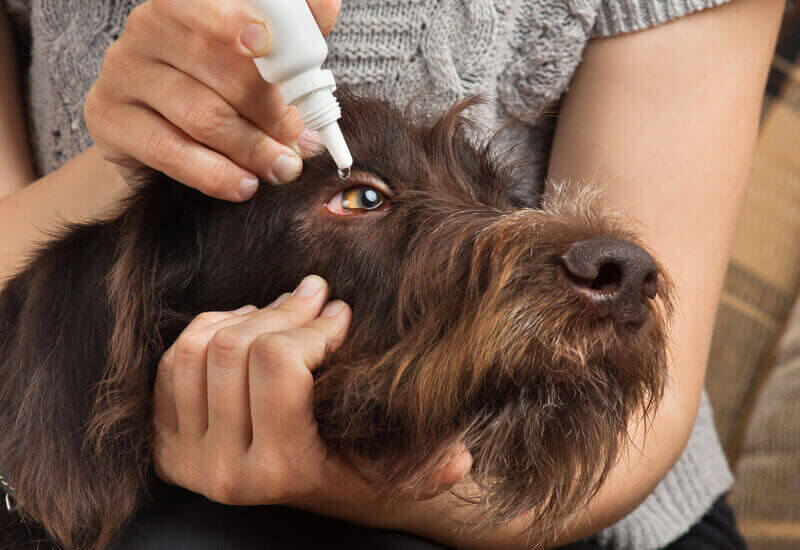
{"x": 233, "y": 409}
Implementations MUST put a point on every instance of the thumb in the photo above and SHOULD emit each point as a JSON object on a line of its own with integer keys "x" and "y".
{"x": 450, "y": 470}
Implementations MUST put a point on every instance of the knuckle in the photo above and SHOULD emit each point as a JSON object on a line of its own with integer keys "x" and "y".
{"x": 316, "y": 339}
{"x": 215, "y": 177}
{"x": 224, "y": 487}
{"x": 211, "y": 119}
{"x": 289, "y": 122}
{"x": 272, "y": 350}
{"x": 226, "y": 12}
{"x": 209, "y": 318}
{"x": 162, "y": 469}
{"x": 272, "y": 482}
{"x": 230, "y": 341}
{"x": 206, "y": 317}
{"x": 166, "y": 462}
{"x": 199, "y": 49}
{"x": 162, "y": 454}
{"x": 190, "y": 345}
{"x": 115, "y": 59}
{"x": 163, "y": 146}
{"x": 256, "y": 151}
{"x": 97, "y": 112}
{"x": 91, "y": 106}
{"x": 138, "y": 17}
{"x": 167, "y": 361}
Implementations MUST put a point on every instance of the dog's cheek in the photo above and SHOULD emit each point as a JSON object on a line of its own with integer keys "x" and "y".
{"x": 390, "y": 445}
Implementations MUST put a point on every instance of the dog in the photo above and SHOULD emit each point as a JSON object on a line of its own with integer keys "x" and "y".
{"x": 531, "y": 330}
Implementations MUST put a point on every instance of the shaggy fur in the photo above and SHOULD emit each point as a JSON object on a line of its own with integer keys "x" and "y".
{"x": 464, "y": 328}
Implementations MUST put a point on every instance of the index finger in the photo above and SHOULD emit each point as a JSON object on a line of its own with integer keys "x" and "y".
{"x": 225, "y": 21}
{"x": 325, "y": 12}
{"x": 236, "y": 22}
{"x": 280, "y": 378}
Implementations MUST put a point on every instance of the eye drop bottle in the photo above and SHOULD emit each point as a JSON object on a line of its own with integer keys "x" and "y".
{"x": 294, "y": 64}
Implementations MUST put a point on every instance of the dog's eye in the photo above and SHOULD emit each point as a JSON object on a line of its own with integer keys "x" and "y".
{"x": 361, "y": 198}
{"x": 357, "y": 200}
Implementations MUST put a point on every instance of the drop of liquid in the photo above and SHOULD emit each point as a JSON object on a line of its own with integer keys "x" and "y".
{"x": 344, "y": 173}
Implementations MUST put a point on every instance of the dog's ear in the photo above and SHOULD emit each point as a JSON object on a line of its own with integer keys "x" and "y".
{"x": 74, "y": 397}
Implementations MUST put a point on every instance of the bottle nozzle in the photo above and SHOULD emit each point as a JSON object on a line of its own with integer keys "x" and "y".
{"x": 333, "y": 139}
{"x": 312, "y": 94}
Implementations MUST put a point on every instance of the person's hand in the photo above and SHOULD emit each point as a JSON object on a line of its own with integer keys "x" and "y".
{"x": 233, "y": 407}
{"x": 179, "y": 92}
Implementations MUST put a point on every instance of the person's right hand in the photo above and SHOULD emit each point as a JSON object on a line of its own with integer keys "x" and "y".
{"x": 178, "y": 91}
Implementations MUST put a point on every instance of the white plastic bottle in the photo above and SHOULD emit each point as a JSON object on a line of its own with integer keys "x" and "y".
{"x": 294, "y": 64}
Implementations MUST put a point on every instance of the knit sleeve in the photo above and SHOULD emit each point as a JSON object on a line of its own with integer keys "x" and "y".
{"x": 698, "y": 479}
{"x": 623, "y": 16}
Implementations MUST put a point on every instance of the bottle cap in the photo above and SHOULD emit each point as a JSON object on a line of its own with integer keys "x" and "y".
{"x": 312, "y": 94}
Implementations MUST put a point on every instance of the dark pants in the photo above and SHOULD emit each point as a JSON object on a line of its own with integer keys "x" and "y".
{"x": 179, "y": 520}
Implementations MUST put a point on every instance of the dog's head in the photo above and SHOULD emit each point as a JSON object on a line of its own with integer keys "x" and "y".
{"x": 532, "y": 333}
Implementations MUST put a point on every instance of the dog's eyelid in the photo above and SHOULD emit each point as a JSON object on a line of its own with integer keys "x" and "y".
{"x": 367, "y": 178}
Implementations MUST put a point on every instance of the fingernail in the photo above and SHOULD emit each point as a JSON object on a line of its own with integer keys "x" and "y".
{"x": 333, "y": 309}
{"x": 245, "y": 309}
{"x": 248, "y": 187}
{"x": 308, "y": 287}
{"x": 286, "y": 168}
{"x": 310, "y": 143}
{"x": 279, "y": 300}
{"x": 255, "y": 38}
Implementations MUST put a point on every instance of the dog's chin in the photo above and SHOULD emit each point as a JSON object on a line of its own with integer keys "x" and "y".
{"x": 545, "y": 448}
{"x": 543, "y": 454}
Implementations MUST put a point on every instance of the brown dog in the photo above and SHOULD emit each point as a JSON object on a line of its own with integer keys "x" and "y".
{"x": 528, "y": 331}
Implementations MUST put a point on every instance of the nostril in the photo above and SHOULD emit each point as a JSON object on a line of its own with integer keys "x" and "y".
{"x": 650, "y": 285}
{"x": 614, "y": 275}
{"x": 609, "y": 277}
{"x": 604, "y": 278}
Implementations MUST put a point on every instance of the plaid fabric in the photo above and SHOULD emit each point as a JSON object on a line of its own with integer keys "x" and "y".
{"x": 755, "y": 396}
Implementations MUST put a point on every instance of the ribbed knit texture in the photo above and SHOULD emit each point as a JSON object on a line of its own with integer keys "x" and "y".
{"x": 523, "y": 53}
{"x": 620, "y": 16}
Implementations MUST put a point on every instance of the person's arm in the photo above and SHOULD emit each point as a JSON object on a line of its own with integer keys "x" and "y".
{"x": 27, "y": 214}
{"x": 177, "y": 92}
{"x": 14, "y": 154}
{"x": 667, "y": 120}
{"x": 83, "y": 188}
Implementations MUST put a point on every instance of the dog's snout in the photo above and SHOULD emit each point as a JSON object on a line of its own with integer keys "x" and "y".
{"x": 615, "y": 275}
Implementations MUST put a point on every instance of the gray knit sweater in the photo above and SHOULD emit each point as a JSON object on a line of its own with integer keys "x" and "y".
{"x": 523, "y": 52}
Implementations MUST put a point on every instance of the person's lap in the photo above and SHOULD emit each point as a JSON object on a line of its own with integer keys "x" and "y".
{"x": 178, "y": 520}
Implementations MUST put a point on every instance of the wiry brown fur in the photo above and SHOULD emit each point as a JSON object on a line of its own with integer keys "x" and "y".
{"x": 464, "y": 328}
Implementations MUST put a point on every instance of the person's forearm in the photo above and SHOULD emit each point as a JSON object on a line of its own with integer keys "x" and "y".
{"x": 443, "y": 519}
{"x": 17, "y": 169}
{"x": 30, "y": 211}
{"x": 86, "y": 187}
{"x": 667, "y": 120}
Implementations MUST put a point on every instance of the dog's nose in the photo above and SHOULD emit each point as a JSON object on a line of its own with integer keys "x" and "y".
{"x": 615, "y": 276}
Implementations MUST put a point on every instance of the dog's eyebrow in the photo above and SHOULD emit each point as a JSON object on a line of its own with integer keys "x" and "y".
{"x": 360, "y": 176}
